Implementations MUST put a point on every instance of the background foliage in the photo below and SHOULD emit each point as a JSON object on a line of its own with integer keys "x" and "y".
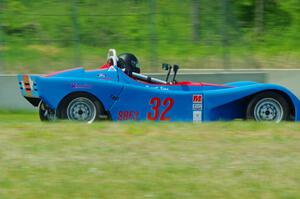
{"x": 42, "y": 36}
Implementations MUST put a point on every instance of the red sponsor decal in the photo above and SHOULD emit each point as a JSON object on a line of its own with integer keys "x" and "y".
{"x": 128, "y": 115}
{"x": 27, "y": 86}
{"x": 197, "y": 98}
{"x": 156, "y": 102}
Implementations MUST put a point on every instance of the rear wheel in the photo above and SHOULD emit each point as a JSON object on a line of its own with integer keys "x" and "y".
{"x": 81, "y": 107}
{"x": 46, "y": 113}
{"x": 268, "y": 106}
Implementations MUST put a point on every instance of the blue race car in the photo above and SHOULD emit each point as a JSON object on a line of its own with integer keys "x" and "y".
{"x": 119, "y": 92}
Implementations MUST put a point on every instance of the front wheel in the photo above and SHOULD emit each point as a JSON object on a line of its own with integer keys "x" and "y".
{"x": 81, "y": 107}
{"x": 268, "y": 106}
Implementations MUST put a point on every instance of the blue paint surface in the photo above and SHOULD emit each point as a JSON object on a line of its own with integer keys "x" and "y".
{"x": 125, "y": 98}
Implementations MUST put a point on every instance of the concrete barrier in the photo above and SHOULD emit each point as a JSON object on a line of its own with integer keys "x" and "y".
{"x": 289, "y": 78}
{"x": 10, "y": 97}
{"x": 218, "y": 77}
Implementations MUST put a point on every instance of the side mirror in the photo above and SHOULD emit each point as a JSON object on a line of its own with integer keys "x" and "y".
{"x": 165, "y": 66}
{"x": 175, "y": 68}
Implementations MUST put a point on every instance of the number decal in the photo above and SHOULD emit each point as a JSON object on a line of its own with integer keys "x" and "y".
{"x": 170, "y": 103}
{"x": 155, "y": 101}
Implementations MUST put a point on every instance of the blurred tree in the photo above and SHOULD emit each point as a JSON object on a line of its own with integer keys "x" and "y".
{"x": 153, "y": 36}
{"x": 14, "y": 25}
{"x": 1, "y": 37}
{"x": 225, "y": 33}
{"x": 259, "y": 17}
{"x": 262, "y": 13}
{"x": 196, "y": 20}
{"x": 76, "y": 32}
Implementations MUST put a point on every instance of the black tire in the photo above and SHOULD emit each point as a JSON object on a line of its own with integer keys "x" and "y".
{"x": 80, "y": 107}
{"x": 46, "y": 114}
{"x": 268, "y": 106}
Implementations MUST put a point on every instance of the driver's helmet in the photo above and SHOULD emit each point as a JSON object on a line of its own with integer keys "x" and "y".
{"x": 129, "y": 62}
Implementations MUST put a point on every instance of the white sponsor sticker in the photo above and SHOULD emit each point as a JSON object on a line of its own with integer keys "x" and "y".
{"x": 197, "y": 116}
{"x": 197, "y": 107}
{"x": 157, "y": 87}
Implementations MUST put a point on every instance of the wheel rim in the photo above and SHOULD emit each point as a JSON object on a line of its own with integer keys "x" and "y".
{"x": 268, "y": 109}
{"x": 81, "y": 109}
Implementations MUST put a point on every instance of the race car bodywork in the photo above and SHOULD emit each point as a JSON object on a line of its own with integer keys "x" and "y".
{"x": 110, "y": 93}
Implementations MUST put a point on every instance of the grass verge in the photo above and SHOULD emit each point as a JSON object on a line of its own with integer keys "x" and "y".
{"x": 147, "y": 160}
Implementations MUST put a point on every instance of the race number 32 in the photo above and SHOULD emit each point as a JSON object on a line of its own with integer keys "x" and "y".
{"x": 167, "y": 103}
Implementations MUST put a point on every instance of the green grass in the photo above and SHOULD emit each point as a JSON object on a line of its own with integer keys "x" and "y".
{"x": 39, "y": 59}
{"x": 147, "y": 160}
